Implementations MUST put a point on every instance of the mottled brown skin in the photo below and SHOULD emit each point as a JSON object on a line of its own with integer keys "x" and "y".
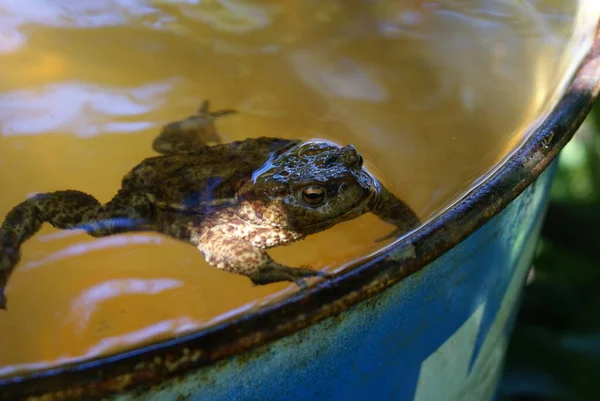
{"x": 232, "y": 201}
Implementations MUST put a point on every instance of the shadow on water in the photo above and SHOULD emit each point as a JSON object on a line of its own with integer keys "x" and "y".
{"x": 555, "y": 350}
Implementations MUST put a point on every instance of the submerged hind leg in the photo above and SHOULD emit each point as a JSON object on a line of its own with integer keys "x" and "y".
{"x": 191, "y": 133}
{"x": 67, "y": 210}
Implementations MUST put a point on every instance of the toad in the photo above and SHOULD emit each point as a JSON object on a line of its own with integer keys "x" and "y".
{"x": 232, "y": 201}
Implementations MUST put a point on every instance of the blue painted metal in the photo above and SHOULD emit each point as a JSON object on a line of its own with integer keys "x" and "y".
{"x": 438, "y": 334}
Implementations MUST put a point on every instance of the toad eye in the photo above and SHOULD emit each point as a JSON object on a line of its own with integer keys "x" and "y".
{"x": 313, "y": 195}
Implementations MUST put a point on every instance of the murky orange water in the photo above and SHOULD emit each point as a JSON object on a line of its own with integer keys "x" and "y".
{"x": 432, "y": 93}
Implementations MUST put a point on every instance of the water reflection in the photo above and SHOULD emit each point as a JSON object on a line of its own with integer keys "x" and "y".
{"x": 235, "y": 16}
{"x": 83, "y": 248}
{"x": 83, "y": 14}
{"x": 130, "y": 339}
{"x": 222, "y": 15}
{"x": 84, "y": 305}
{"x": 343, "y": 77}
{"x": 79, "y": 108}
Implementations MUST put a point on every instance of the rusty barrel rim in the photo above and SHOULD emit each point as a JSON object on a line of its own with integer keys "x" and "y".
{"x": 151, "y": 364}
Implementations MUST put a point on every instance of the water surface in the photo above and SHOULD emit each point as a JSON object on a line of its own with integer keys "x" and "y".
{"x": 434, "y": 94}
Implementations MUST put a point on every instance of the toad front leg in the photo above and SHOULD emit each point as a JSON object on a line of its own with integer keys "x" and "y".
{"x": 392, "y": 210}
{"x": 237, "y": 255}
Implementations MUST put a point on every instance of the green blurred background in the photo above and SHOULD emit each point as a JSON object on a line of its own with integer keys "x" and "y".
{"x": 554, "y": 353}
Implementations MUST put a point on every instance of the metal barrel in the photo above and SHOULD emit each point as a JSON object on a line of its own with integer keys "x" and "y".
{"x": 427, "y": 319}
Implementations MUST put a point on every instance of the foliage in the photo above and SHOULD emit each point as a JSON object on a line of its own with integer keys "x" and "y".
{"x": 555, "y": 350}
